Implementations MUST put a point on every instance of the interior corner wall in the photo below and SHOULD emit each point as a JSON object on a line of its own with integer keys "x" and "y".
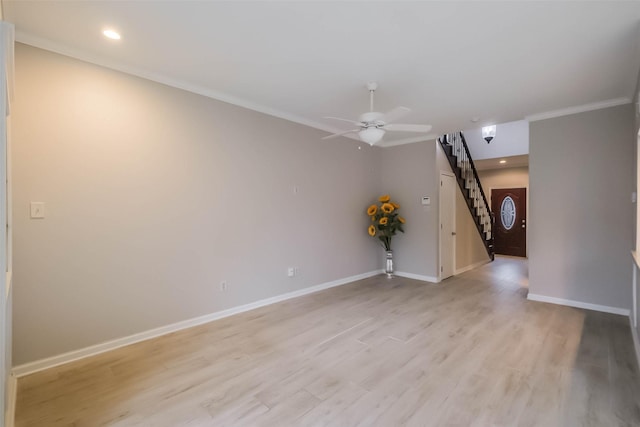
{"x": 470, "y": 250}
{"x": 581, "y": 216}
{"x": 154, "y": 195}
{"x": 407, "y": 175}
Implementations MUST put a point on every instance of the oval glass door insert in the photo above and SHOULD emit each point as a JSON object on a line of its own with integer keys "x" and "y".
{"x": 508, "y": 213}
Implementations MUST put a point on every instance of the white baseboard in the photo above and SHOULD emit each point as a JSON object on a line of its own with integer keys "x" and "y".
{"x": 430, "y": 279}
{"x": 579, "y": 304}
{"x": 10, "y": 411}
{"x": 50, "y": 362}
{"x": 471, "y": 266}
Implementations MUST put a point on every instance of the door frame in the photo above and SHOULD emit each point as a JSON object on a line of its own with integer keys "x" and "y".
{"x": 440, "y": 204}
{"x": 8, "y": 387}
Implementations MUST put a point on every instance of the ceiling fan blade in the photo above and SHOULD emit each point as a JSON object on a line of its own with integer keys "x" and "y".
{"x": 395, "y": 114}
{"x": 408, "y": 128}
{"x": 353, "y": 122}
{"x": 335, "y": 135}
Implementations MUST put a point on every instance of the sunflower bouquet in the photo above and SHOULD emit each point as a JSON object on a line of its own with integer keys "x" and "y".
{"x": 385, "y": 220}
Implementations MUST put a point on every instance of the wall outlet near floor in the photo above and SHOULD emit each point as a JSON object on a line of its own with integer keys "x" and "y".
{"x": 223, "y": 286}
{"x": 292, "y": 271}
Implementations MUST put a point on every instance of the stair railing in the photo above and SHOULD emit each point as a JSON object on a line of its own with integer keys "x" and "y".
{"x": 457, "y": 151}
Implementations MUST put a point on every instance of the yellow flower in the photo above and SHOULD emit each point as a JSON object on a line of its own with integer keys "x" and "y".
{"x": 395, "y": 205}
{"x": 372, "y": 210}
{"x": 387, "y": 208}
{"x": 384, "y": 220}
{"x": 402, "y": 220}
{"x": 372, "y": 230}
{"x": 385, "y": 198}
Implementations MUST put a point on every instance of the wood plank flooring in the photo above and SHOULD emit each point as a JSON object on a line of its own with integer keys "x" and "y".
{"x": 471, "y": 351}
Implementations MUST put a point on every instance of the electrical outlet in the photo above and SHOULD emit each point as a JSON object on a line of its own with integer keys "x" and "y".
{"x": 37, "y": 210}
{"x": 291, "y": 271}
{"x": 296, "y": 271}
{"x": 223, "y": 286}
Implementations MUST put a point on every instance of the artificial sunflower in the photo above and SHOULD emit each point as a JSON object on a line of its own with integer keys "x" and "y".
{"x": 387, "y": 208}
{"x": 385, "y": 221}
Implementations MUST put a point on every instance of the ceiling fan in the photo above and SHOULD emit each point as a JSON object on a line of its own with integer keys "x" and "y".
{"x": 373, "y": 125}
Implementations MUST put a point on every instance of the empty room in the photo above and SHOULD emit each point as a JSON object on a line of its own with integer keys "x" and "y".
{"x": 312, "y": 213}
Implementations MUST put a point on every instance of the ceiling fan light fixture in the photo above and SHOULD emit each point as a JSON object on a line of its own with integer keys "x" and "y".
{"x": 371, "y": 135}
{"x": 488, "y": 133}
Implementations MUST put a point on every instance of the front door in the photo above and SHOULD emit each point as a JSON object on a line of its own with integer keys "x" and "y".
{"x": 509, "y": 206}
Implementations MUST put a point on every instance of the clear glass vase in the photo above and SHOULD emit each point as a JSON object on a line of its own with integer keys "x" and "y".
{"x": 388, "y": 266}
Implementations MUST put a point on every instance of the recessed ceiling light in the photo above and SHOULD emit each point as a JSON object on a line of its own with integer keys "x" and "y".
{"x": 502, "y": 162}
{"x": 111, "y": 34}
{"x": 475, "y": 119}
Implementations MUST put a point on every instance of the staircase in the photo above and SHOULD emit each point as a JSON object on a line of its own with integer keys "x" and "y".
{"x": 455, "y": 147}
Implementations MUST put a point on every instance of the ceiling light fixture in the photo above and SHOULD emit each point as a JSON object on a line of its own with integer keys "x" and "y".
{"x": 488, "y": 133}
{"x": 111, "y": 34}
{"x": 371, "y": 135}
{"x": 502, "y": 162}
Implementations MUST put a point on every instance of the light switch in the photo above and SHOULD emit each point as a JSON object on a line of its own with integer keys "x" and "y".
{"x": 426, "y": 201}
{"x": 37, "y": 210}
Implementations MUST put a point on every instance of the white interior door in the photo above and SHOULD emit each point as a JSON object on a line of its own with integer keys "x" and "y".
{"x": 447, "y": 225}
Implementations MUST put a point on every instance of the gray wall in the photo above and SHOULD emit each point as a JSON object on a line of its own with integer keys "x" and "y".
{"x": 155, "y": 195}
{"x": 409, "y": 173}
{"x": 581, "y": 170}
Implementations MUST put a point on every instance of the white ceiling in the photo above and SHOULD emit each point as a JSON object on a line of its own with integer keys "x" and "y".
{"x": 448, "y": 61}
{"x": 510, "y": 162}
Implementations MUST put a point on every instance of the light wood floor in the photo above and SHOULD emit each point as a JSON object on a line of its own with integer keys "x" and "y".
{"x": 471, "y": 351}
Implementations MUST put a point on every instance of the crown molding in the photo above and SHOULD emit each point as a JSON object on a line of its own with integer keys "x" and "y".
{"x": 42, "y": 43}
{"x": 404, "y": 141}
{"x": 61, "y": 49}
{"x": 578, "y": 109}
